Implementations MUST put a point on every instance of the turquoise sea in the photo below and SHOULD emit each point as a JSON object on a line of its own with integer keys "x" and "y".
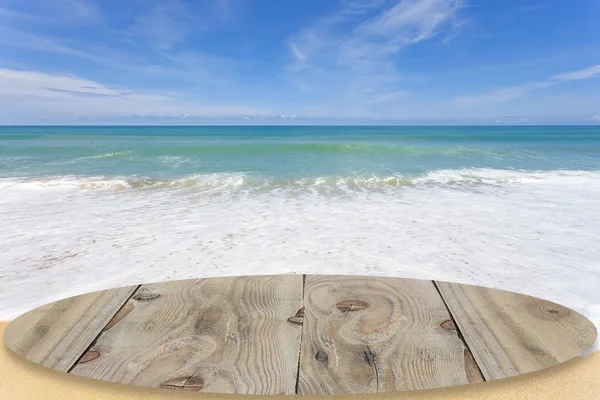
{"x": 285, "y": 155}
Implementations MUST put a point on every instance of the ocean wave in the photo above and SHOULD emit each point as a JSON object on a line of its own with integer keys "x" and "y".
{"x": 94, "y": 157}
{"x": 464, "y": 178}
{"x": 174, "y": 161}
{"x": 275, "y": 148}
{"x": 107, "y": 155}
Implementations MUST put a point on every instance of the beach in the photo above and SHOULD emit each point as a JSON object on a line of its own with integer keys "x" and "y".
{"x": 85, "y": 209}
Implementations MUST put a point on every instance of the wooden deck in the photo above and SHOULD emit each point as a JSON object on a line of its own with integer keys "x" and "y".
{"x": 295, "y": 334}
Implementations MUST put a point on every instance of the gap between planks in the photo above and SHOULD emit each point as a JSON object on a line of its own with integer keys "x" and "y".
{"x": 461, "y": 336}
{"x": 93, "y": 342}
{"x": 301, "y": 336}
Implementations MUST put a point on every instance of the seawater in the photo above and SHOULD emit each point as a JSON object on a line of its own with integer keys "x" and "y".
{"x": 89, "y": 208}
{"x": 289, "y": 154}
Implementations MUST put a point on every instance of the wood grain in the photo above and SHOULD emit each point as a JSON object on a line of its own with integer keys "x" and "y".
{"x": 374, "y": 334}
{"x": 511, "y": 334}
{"x": 223, "y": 335}
{"x": 57, "y": 334}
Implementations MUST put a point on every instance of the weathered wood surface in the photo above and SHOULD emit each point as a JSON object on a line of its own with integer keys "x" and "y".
{"x": 371, "y": 334}
{"x": 289, "y": 334}
{"x": 57, "y": 334}
{"x": 224, "y": 335}
{"x": 512, "y": 334}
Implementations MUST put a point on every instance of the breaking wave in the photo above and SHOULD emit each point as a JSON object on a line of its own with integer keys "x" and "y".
{"x": 233, "y": 182}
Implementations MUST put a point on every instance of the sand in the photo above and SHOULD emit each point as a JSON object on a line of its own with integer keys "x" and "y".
{"x": 24, "y": 380}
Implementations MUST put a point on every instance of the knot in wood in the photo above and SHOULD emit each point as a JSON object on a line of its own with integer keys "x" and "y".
{"x": 297, "y": 319}
{"x": 351, "y": 305}
{"x": 146, "y": 296}
{"x": 88, "y": 356}
{"x": 449, "y": 325}
{"x": 322, "y": 356}
{"x": 553, "y": 311}
{"x": 191, "y": 383}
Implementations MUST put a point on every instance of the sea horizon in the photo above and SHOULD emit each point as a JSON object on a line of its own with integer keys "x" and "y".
{"x": 390, "y": 125}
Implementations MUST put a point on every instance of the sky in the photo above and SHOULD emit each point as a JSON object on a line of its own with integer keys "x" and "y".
{"x": 300, "y": 61}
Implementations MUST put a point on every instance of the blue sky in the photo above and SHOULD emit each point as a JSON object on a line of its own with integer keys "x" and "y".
{"x": 292, "y": 61}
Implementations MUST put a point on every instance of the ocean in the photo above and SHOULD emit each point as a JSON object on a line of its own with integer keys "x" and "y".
{"x": 89, "y": 208}
{"x": 288, "y": 156}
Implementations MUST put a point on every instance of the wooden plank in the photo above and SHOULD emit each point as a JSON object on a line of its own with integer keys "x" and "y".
{"x": 57, "y": 334}
{"x": 511, "y": 334}
{"x": 224, "y": 335}
{"x": 374, "y": 334}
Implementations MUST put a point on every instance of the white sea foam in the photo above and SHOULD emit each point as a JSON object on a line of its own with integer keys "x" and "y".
{"x": 94, "y": 157}
{"x": 243, "y": 182}
{"x": 107, "y": 155}
{"x": 530, "y": 232}
{"x": 175, "y": 161}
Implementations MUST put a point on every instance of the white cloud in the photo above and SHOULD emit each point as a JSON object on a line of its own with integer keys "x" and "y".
{"x": 78, "y": 12}
{"x": 161, "y": 28}
{"x": 409, "y": 21}
{"x": 34, "y": 95}
{"x": 514, "y": 92}
{"x": 354, "y": 38}
{"x": 191, "y": 66}
{"x": 580, "y": 74}
{"x": 350, "y": 56}
{"x": 595, "y": 118}
{"x": 171, "y": 22}
{"x": 499, "y": 95}
{"x": 297, "y": 53}
{"x": 12, "y": 37}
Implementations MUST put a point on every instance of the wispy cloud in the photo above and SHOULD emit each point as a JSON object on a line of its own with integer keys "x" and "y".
{"x": 77, "y": 12}
{"x": 169, "y": 23}
{"x": 408, "y": 22}
{"x": 299, "y": 55}
{"x": 152, "y": 40}
{"x": 190, "y": 66}
{"x": 81, "y": 10}
{"x": 27, "y": 93}
{"x": 373, "y": 43}
{"x": 580, "y": 74}
{"x": 354, "y": 34}
{"x": 357, "y": 49}
{"x": 15, "y": 38}
{"x": 505, "y": 94}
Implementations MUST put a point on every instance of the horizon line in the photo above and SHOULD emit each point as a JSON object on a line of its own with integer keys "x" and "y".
{"x": 301, "y": 125}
